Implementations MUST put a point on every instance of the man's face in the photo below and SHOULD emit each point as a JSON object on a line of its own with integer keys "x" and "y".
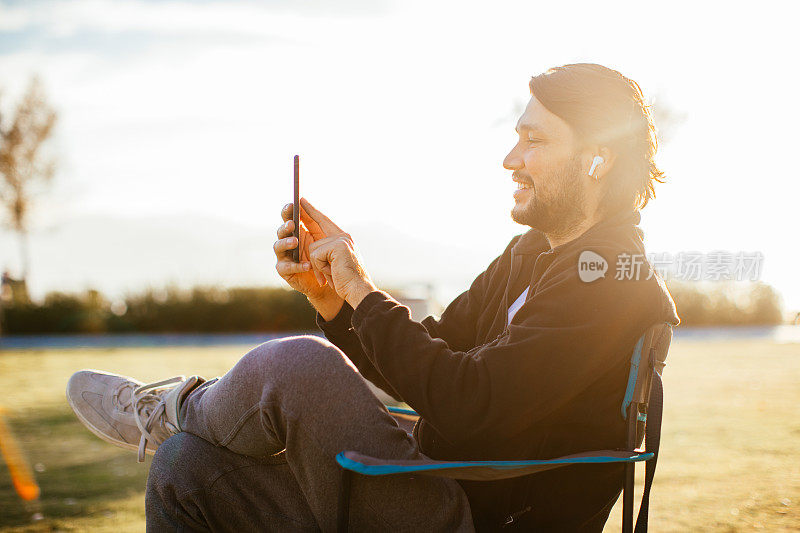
{"x": 545, "y": 160}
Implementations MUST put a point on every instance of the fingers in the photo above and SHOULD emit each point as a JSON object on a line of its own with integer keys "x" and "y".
{"x": 323, "y": 235}
{"x": 311, "y": 225}
{"x": 282, "y": 246}
{"x": 318, "y": 224}
{"x": 319, "y": 261}
{"x": 286, "y": 229}
{"x": 317, "y": 216}
{"x": 286, "y": 212}
{"x": 344, "y": 239}
{"x": 327, "y": 241}
{"x": 288, "y": 268}
{"x": 321, "y": 253}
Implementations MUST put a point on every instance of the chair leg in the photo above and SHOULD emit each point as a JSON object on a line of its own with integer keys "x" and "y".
{"x": 627, "y": 499}
{"x": 343, "y": 514}
{"x": 630, "y": 470}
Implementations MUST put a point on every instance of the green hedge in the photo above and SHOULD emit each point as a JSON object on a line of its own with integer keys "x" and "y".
{"x": 240, "y": 310}
{"x": 201, "y": 310}
{"x": 726, "y": 303}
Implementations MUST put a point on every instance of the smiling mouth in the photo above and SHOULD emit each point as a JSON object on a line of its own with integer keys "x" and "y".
{"x": 521, "y": 182}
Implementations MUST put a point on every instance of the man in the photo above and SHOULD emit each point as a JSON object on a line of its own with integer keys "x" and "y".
{"x": 530, "y": 362}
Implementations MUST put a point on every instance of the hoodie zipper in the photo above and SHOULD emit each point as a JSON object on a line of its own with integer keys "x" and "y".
{"x": 516, "y": 268}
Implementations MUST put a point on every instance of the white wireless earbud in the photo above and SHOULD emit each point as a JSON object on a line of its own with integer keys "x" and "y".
{"x": 598, "y": 160}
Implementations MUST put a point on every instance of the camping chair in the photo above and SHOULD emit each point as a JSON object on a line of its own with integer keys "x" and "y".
{"x": 643, "y": 398}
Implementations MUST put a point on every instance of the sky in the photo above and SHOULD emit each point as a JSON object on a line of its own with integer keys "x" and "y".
{"x": 178, "y": 122}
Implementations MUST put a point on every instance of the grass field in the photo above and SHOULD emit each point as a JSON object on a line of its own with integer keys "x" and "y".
{"x": 730, "y": 450}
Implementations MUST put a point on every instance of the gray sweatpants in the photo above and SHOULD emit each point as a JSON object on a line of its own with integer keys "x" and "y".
{"x": 259, "y": 445}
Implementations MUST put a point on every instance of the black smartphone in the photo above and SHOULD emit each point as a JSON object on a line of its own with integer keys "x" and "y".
{"x": 296, "y": 209}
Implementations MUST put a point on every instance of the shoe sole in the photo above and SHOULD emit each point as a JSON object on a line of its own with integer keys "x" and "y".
{"x": 102, "y": 435}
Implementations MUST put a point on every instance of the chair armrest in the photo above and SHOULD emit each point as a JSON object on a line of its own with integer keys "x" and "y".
{"x": 401, "y": 411}
{"x": 479, "y": 470}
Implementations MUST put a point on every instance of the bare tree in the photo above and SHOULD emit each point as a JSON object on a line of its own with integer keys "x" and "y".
{"x": 668, "y": 119}
{"x": 24, "y": 169}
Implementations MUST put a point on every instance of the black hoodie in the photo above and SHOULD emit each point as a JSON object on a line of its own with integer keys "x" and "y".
{"x": 548, "y": 384}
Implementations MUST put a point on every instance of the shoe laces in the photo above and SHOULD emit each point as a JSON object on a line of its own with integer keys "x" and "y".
{"x": 148, "y": 407}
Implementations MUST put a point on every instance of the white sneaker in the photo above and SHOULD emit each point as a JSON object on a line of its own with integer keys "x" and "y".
{"x": 122, "y": 411}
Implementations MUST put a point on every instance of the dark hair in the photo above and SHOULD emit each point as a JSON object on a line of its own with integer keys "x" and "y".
{"x": 604, "y": 107}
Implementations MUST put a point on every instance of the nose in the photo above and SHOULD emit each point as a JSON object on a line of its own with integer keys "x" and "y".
{"x": 513, "y": 160}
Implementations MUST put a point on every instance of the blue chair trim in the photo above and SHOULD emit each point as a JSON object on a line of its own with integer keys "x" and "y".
{"x": 636, "y": 358}
{"x": 401, "y": 411}
{"x": 380, "y": 470}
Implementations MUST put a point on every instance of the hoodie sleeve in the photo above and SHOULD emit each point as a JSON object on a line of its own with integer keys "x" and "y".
{"x": 560, "y": 341}
{"x": 457, "y": 326}
{"x": 341, "y": 333}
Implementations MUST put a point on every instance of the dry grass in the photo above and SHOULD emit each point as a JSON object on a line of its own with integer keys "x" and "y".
{"x": 730, "y": 456}
{"x": 86, "y": 484}
{"x": 729, "y": 461}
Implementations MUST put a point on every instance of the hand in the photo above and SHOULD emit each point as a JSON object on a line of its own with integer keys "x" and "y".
{"x": 334, "y": 259}
{"x": 300, "y": 276}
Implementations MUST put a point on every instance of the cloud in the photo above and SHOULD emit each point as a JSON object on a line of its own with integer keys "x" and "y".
{"x": 63, "y": 18}
{"x": 126, "y": 28}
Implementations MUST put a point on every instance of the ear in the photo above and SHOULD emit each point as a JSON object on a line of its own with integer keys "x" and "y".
{"x": 603, "y": 167}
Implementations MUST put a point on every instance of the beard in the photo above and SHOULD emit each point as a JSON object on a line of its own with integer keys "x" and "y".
{"x": 562, "y": 209}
